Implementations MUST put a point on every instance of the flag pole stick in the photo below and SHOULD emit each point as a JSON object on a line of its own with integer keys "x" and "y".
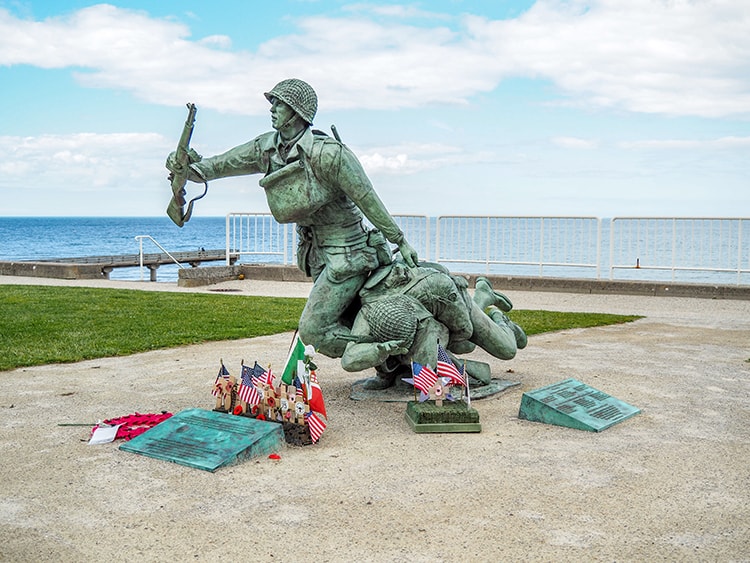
{"x": 412, "y": 379}
{"x": 294, "y": 339}
{"x": 468, "y": 392}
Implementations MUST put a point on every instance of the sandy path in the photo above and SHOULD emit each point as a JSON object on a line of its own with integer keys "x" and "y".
{"x": 670, "y": 484}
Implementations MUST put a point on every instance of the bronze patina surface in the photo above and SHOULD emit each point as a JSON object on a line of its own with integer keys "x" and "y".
{"x": 316, "y": 182}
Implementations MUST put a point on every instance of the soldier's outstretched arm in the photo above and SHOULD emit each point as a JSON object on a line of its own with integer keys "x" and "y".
{"x": 238, "y": 161}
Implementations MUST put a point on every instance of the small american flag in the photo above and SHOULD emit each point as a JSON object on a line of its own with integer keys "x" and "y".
{"x": 223, "y": 374}
{"x": 299, "y": 394}
{"x": 424, "y": 377}
{"x": 247, "y": 391}
{"x": 446, "y": 368}
{"x": 258, "y": 375}
{"x": 316, "y": 426}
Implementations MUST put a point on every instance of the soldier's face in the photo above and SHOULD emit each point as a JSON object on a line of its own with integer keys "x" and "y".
{"x": 281, "y": 113}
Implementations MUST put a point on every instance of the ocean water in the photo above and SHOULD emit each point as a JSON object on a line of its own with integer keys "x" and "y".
{"x": 39, "y": 238}
{"x": 703, "y": 251}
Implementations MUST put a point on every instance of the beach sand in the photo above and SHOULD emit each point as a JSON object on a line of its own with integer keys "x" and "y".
{"x": 670, "y": 484}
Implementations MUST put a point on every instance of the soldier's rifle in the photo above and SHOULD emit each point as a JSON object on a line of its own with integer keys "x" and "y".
{"x": 176, "y": 209}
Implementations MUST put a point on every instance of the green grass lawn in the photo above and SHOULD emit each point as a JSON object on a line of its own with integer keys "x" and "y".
{"x": 44, "y": 324}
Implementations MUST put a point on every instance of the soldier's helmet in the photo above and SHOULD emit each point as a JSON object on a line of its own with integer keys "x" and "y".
{"x": 299, "y": 95}
{"x": 392, "y": 318}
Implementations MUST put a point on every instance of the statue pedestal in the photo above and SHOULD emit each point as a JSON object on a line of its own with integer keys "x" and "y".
{"x": 402, "y": 392}
{"x": 450, "y": 417}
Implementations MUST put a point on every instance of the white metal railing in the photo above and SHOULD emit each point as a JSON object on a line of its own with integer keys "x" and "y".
{"x": 523, "y": 243}
{"x": 257, "y": 235}
{"x": 140, "y": 238}
{"x": 680, "y": 244}
{"x": 711, "y": 250}
{"x": 417, "y": 230}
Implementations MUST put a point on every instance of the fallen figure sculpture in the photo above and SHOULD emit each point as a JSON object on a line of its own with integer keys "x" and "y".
{"x": 406, "y": 312}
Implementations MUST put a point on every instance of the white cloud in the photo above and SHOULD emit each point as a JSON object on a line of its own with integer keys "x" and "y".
{"x": 82, "y": 161}
{"x": 678, "y": 57}
{"x": 375, "y": 163}
{"x": 722, "y": 143}
{"x": 411, "y": 158}
{"x": 220, "y": 41}
{"x": 574, "y": 143}
{"x": 393, "y": 11}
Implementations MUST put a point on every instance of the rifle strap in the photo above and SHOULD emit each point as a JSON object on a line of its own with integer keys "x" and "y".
{"x": 189, "y": 212}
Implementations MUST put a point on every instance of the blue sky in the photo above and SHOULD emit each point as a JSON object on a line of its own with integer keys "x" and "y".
{"x": 596, "y": 108}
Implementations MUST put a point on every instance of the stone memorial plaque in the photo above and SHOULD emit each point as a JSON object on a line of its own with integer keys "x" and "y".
{"x": 207, "y": 440}
{"x": 573, "y": 404}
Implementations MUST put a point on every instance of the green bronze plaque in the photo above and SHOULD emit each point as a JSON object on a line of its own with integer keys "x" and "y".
{"x": 207, "y": 440}
{"x": 573, "y": 404}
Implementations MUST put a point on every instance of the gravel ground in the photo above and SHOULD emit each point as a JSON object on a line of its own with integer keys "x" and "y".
{"x": 670, "y": 484}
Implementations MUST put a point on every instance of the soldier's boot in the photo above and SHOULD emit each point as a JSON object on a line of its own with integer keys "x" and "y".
{"x": 501, "y": 319}
{"x": 485, "y": 296}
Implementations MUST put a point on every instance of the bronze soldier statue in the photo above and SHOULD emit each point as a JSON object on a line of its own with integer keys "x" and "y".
{"x": 315, "y": 181}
